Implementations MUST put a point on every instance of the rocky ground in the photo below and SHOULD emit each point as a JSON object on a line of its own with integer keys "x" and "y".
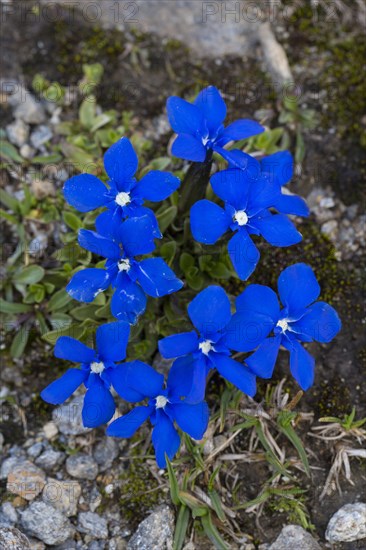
{"x": 64, "y": 486}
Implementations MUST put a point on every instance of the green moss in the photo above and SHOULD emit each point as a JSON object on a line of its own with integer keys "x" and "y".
{"x": 332, "y": 399}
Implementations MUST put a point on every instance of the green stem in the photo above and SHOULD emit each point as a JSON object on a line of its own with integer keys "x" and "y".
{"x": 195, "y": 184}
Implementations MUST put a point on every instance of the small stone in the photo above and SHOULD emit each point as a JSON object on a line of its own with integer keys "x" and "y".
{"x": 49, "y": 459}
{"x": 50, "y": 430}
{"x": 68, "y": 419}
{"x": 63, "y": 495}
{"x": 36, "y": 544}
{"x": 82, "y": 466}
{"x": 9, "y": 511}
{"x": 35, "y": 450}
{"x": 26, "y": 480}
{"x": 46, "y": 523}
{"x": 348, "y": 524}
{"x": 11, "y": 538}
{"x": 156, "y": 531}
{"x": 18, "y": 132}
{"x": 43, "y": 188}
{"x": 330, "y": 228}
{"x": 294, "y": 536}
{"x": 26, "y": 151}
{"x": 40, "y": 135}
{"x": 327, "y": 202}
{"x": 105, "y": 452}
{"x": 92, "y": 524}
{"x": 7, "y": 466}
{"x": 27, "y": 108}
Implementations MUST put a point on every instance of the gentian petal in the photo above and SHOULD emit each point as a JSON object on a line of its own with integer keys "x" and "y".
{"x": 156, "y": 186}
{"x": 260, "y": 301}
{"x": 236, "y": 373}
{"x": 188, "y": 147}
{"x": 213, "y": 107}
{"x": 180, "y": 377}
{"x": 128, "y": 424}
{"x": 198, "y": 387}
{"x": 298, "y": 287}
{"x": 85, "y": 192}
{"x": 157, "y": 279}
{"x": 107, "y": 224}
{"x": 278, "y": 230}
{"x": 278, "y": 167}
{"x": 61, "y": 389}
{"x": 178, "y": 344}
{"x": 302, "y": 365}
{"x": 184, "y": 117}
{"x": 243, "y": 253}
{"x": 121, "y": 162}
{"x": 118, "y": 378}
{"x": 240, "y": 129}
{"x": 128, "y": 302}
{"x": 165, "y": 439}
{"x": 98, "y": 405}
{"x": 320, "y": 322}
{"x": 192, "y": 419}
{"x": 208, "y": 221}
{"x": 245, "y": 162}
{"x": 291, "y": 204}
{"x": 140, "y": 211}
{"x": 112, "y": 339}
{"x": 144, "y": 379}
{"x": 210, "y": 310}
{"x": 263, "y": 194}
{"x": 86, "y": 284}
{"x": 73, "y": 350}
{"x": 137, "y": 236}
{"x": 232, "y": 186}
{"x": 90, "y": 240}
{"x": 263, "y": 360}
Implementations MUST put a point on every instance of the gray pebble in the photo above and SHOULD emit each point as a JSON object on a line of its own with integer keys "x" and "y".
{"x": 294, "y": 536}
{"x": 13, "y": 538}
{"x": 40, "y": 135}
{"x": 18, "y": 132}
{"x": 348, "y": 524}
{"x": 156, "y": 531}
{"x": 82, "y": 466}
{"x": 49, "y": 459}
{"x": 92, "y": 524}
{"x": 105, "y": 452}
{"x": 68, "y": 419}
{"x": 46, "y": 523}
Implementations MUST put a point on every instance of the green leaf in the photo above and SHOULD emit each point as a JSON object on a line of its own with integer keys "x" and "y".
{"x": 9, "y": 152}
{"x": 168, "y": 251}
{"x": 174, "y": 488}
{"x": 8, "y": 217}
{"x": 186, "y": 261}
{"x": 84, "y": 312}
{"x": 72, "y": 221}
{"x": 216, "y": 504}
{"x": 181, "y": 527}
{"x": 9, "y": 201}
{"x": 19, "y": 342}
{"x": 284, "y": 420}
{"x": 29, "y": 275}
{"x": 59, "y": 300}
{"x": 47, "y": 159}
{"x": 213, "y": 534}
{"x": 87, "y": 112}
{"x": 100, "y": 121}
{"x": 80, "y": 158}
{"x": 199, "y": 509}
{"x": 9, "y": 307}
{"x": 74, "y": 331}
{"x": 60, "y": 321}
{"x": 167, "y": 217}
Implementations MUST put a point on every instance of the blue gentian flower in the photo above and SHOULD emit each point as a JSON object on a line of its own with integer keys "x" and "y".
{"x": 210, "y": 314}
{"x": 122, "y": 271}
{"x": 200, "y": 126}
{"x": 166, "y": 406}
{"x": 98, "y": 372}
{"x": 125, "y": 196}
{"x": 300, "y": 319}
{"x": 246, "y": 212}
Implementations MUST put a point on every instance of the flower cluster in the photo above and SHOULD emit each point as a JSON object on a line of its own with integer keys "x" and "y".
{"x": 254, "y": 203}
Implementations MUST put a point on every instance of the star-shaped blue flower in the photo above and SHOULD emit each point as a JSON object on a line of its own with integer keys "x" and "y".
{"x": 200, "y": 126}
{"x": 247, "y": 201}
{"x": 300, "y": 319}
{"x": 125, "y": 196}
{"x": 122, "y": 271}
{"x": 166, "y": 406}
{"x": 98, "y": 372}
{"x": 210, "y": 314}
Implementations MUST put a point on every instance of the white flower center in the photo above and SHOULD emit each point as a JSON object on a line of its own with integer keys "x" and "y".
{"x": 97, "y": 368}
{"x": 241, "y": 217}
{"x": 283, "y": 324}
{"x": 124, "y": 265}
{"x": 205, "y": 347}
{"x": 123, "y": 198}
{"x": 161, "y": 401}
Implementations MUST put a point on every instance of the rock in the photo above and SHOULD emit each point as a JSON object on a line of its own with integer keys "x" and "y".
{"x": 68, "y": 419}
{"x": 18, "y": 132}
{"x": 36, "y": 544}
{"x": 8, "y": 510}
{"x": 105, "y": 452}
{"x": 82, "y": 466}
{"x": 26, "y": 151}
{"x": 7, "y": 466}
{"x": 40, "y": 135}
{"x": 156, "y": 531}
{"x": 35, "y": 450}
{"x": 294, "y": 536}
{"x": 330, "y": 229}
{"x": 49, "y": 459}
{"x": 348, "y": 524}
{"x": 92, "y": 524}
{"x": 63, "y": 495}
{"x": 11, "y": 538}
{"x": 50, "y": 430}
{"x": 43, "y": 188}
{"x": 46, "y": 523}
{"x": 27, "y": 108}
{"x": 26, "y": 480}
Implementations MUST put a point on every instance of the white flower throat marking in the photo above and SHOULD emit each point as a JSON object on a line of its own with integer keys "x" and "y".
{"x": 283, "y": 324}
{"x": 124, "y": 265}
{"x": 123, "y": 198}
{"x": 241, "y": 217}
{"x": 161, "y": 401}
{"x": 205, "y": 347}
{"x": 97, "y": 368}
